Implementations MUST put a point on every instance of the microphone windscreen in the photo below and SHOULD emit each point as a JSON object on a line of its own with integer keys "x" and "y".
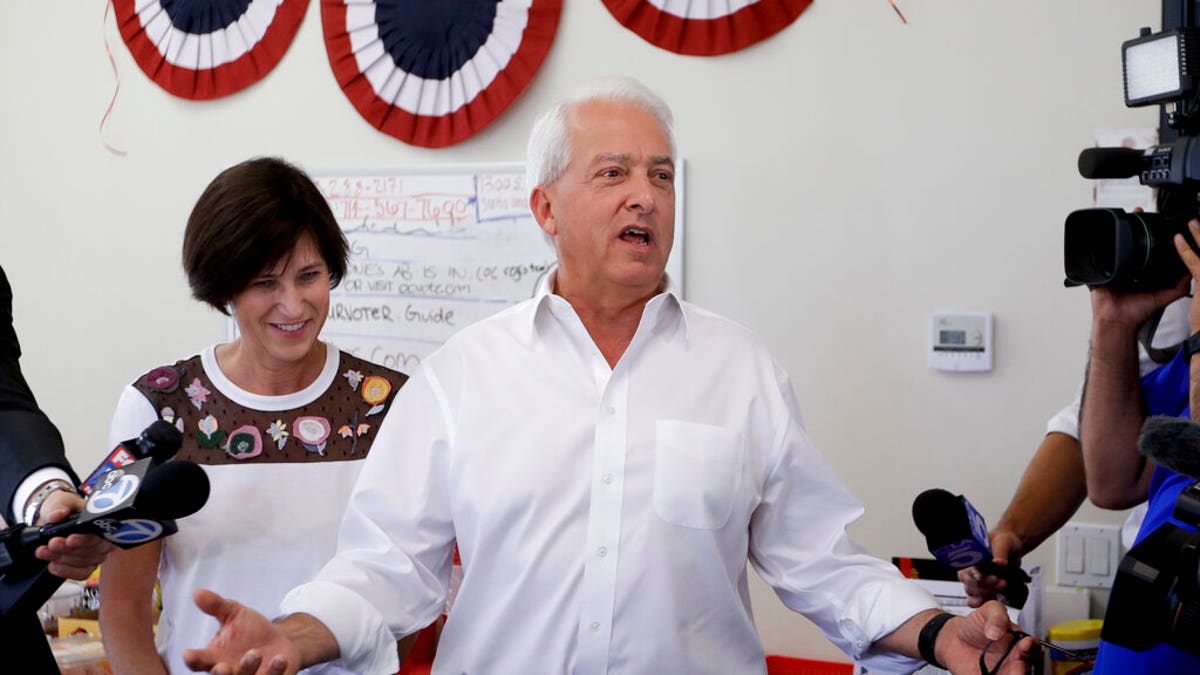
{"x": 161, "y": 440}
{"x": 1111, "y": 162}
{"x": 933, "y": 513}
{"x": 1173, "y": 442}
{"x": 172, "y": 490}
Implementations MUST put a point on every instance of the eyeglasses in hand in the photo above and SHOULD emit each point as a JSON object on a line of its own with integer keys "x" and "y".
{"x": 1000, "y": 652}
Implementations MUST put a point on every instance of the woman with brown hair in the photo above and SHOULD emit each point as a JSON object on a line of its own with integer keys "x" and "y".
{"x": 279, "y": 420}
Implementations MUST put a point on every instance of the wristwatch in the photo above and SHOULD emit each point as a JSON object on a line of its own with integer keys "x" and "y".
{"x": 34, "y": 505}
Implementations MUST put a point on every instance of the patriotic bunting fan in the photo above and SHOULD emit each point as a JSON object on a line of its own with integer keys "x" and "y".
{"x": 434, "y": 72}
{"x": 705, "y": 28}
{"x": 205, "y": 49}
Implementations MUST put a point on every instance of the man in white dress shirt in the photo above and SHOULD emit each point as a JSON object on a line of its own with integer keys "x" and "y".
{"x": 607, "y": 458}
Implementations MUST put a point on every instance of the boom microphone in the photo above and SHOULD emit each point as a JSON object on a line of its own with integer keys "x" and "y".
{"x": 957, "y": 536}
{"x": 1173, "y": 442}
{"x": 159, "y": 441}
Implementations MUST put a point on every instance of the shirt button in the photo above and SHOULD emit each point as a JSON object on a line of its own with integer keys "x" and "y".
{"x": 610, "y": 410}
{"x": 607, "y": 479}
{"x": 601, "y": 552}
{"x": 595, "y": 626}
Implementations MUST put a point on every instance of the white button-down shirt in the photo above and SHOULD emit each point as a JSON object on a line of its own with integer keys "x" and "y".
{"x": 604, "y": 515}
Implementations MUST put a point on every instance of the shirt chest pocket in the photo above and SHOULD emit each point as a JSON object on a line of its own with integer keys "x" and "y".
{"x": 696, "y": 472}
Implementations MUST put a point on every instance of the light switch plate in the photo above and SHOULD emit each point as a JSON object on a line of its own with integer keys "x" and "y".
{"x": 1088, "y": 555}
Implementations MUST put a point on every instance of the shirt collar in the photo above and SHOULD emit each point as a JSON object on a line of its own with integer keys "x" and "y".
{"x": 665, "y": 309}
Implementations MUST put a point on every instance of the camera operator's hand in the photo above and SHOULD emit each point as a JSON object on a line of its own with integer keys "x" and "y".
{"x": 1006, "y": 550}
{"x": 76, "y": 556}
{"x": 1129, "y": 310}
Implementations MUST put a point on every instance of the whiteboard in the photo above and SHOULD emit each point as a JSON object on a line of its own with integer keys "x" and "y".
{"x": 433, "y": 250}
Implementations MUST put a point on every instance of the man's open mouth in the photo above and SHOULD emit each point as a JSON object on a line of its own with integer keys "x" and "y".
{"x": 635, "y": 235}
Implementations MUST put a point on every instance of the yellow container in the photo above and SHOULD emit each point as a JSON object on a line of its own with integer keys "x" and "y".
{"x": 69, "y": 625}
{"x": 1081, "y": 636}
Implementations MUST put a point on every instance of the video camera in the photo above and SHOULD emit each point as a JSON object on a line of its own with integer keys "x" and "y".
{"x": 1135, "y": 251}
{"x": 1156, "y": 593}
{"x": 1155, "y": 596}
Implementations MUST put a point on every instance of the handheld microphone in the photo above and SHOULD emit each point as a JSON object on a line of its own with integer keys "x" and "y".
{"x": 129, "y": 506}
{"x": 132, "y": 505}
{"x": 159, "y": 441}
{"x": 957, "y": 536}
{"x": 1172, "y": 442}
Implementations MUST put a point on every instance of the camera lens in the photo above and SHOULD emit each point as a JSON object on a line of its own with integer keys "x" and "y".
{"x": 1128, "y": 251}
{"x": 1096, "y": 244}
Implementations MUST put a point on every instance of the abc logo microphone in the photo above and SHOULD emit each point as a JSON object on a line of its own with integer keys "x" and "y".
{"x": 132, "y": 505}
{"x": 129, "y": 505}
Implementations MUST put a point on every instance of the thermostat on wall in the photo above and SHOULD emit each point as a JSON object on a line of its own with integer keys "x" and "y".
{"x": 960, "y": 341}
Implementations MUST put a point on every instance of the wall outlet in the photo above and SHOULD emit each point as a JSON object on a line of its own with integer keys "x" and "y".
{"x": 1088, "y": 555}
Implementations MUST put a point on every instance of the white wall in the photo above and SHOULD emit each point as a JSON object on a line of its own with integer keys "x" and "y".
{"x": 845, "y": 178}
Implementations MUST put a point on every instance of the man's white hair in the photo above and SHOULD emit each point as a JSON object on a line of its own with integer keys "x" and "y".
{"x": 549, "y": 149}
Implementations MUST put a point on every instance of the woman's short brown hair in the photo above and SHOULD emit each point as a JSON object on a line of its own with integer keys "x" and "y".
{"x": 247, "y": 220}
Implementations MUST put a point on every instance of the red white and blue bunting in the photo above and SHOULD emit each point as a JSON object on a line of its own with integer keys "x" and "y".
{"x": 434, "y": 72}
{"x": 705, "y": 27}
{"x": 205, "y": 49}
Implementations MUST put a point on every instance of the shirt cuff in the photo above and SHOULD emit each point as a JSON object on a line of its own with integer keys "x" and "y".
{"x": 906, "y": 599}
{"x": 31, "y": 483}
{"x": 365, "y": 644}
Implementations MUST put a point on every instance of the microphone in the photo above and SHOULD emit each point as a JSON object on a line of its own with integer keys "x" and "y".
{"x": 1112, "y": 162}
{"x": 129, "y": 514}
{"x": 957, "y": 536}
{"x": 159, "y": 441}
{"x": 1173, "y": 442}
{"x": 130, "y": 506}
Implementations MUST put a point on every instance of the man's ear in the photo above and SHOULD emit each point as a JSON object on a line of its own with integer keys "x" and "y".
{"x": 539, "y": 204}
